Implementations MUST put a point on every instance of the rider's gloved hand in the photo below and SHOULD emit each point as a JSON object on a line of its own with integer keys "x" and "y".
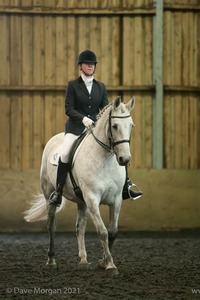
{"x": 87, "y": 122}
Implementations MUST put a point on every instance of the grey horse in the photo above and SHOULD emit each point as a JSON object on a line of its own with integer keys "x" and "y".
{"x": 98, "y": 170}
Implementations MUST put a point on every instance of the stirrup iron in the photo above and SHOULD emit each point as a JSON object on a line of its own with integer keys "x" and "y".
{"x": 57, "y": 202}
{"x": 130, "y": 185}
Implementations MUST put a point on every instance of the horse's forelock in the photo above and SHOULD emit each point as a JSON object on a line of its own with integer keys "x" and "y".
{"x": 123, "y": 107}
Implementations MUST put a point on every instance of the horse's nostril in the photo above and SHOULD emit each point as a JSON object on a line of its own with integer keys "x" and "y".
{"x": 123, "y": 161}
{"x": 120, "y": 159}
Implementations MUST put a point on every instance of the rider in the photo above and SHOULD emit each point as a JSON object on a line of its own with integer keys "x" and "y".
{"x": 84, "y": 97}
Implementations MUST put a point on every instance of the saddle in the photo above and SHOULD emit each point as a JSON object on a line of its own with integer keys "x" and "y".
{"x": 55, "y": 157}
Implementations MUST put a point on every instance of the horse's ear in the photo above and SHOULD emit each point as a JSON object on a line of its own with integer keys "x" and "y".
{"x": 117, "y": 102}
{"x": 131, "y": 104}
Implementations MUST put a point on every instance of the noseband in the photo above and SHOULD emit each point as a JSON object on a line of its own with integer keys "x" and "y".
{"x": 113, "y": 143}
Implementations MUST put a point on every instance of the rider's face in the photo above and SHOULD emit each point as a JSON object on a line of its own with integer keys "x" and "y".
{"x": 88, "y": 68}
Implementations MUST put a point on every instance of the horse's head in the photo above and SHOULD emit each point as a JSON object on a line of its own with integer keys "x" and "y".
{"x": 120, "y": 125}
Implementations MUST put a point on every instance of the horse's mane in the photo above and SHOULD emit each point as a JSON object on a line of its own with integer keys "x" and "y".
{"x": 103, "y": 110}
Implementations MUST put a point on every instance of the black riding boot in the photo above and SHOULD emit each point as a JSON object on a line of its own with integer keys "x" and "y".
{"x": 127, "y": 193}
{"x": 56, "y": 197}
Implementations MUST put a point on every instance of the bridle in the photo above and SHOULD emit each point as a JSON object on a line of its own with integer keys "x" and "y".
{"x": 113, "y": 143}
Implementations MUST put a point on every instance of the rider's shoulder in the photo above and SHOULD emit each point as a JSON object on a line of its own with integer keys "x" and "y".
{"x": 75, "y": 81}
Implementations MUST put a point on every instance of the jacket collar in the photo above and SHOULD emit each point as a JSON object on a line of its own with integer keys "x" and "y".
{"x": 83, "y": 86}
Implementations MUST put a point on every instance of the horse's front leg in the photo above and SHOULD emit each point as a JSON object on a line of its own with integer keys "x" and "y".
{"x": 51, "y": 229}
{"x": 107, "y": 261}
{"x": 80, "y": 233}
{"x": 113, "y": 223}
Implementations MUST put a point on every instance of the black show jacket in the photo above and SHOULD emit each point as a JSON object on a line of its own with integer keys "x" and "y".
{"x": 79, "y": 103}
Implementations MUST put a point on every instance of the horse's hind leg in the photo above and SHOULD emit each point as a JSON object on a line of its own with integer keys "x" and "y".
{"x": 80, "y": 232}
{"x": 51, "y": 229}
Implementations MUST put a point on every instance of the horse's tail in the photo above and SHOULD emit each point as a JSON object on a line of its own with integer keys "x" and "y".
{"x": 38, "y": 210}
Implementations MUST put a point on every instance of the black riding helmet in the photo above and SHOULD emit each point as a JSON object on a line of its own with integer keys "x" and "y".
{"x": 87, "y": 56}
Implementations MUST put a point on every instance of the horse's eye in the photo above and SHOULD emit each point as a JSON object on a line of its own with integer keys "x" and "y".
{"x": 115, "y": 126}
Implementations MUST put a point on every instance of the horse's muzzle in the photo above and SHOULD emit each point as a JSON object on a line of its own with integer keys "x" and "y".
{"x": 123, "y": 161}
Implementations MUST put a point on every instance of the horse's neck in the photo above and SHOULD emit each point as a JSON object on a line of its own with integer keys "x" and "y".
{"x": 96, "y": 156}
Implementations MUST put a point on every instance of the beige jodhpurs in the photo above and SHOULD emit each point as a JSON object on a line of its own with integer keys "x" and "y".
{"x": 69, "y": 140}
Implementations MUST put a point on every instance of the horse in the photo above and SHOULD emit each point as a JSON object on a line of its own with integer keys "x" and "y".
{"x": 99, "y": 171}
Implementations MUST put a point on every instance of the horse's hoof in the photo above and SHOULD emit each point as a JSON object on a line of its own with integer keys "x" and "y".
{"x": 102, "y": 264}
{"x": 51, "y": 263}
{"x": 112, "y": 272}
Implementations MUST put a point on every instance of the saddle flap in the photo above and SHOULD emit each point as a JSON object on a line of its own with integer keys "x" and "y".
{"x": 54, "y": 158}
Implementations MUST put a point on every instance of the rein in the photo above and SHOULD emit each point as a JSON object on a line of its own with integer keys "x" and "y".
{"x": 113, "y": 143}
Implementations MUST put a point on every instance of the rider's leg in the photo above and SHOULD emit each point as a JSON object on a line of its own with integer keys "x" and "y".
{"x": 63, "y": 169}
{"x": 127, "y": 192}
{"x": 56, "y": 196}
